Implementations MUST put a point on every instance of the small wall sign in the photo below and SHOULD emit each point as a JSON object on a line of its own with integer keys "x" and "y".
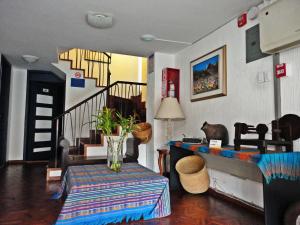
{"x": 216, "y": 144}
{"x": 77, "y": 75}
{"x": 80, "y": 83}
{"x": 45, "y": 90}
{"x": 280, "y": 70}
{"x": 77, "y": 80}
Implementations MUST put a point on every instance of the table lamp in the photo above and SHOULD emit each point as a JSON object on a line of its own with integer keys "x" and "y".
{"x": 168, "y": 110}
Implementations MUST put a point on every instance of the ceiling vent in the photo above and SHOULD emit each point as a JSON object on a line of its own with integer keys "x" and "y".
{"x": 99, "y": 20}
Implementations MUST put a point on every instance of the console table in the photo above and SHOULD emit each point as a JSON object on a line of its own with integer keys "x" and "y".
{"x": 279, "y": 194}
{"x": 241, "y": 162}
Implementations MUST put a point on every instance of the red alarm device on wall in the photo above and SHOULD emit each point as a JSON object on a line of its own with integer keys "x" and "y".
{"x": 242, "y": 20}
{"x": 280, "y": 70}
{"x": 170, "y": 83}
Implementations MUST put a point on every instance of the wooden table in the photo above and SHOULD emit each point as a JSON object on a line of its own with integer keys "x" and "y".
{"x": 162, "y": 160}
{"x": 97, "y": 195}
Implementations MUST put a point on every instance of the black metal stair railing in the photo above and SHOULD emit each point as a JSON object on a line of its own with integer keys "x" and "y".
{"x": 77, "y": 123}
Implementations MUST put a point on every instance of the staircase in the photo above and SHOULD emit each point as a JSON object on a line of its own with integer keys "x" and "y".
{"x": 77, "y": 124}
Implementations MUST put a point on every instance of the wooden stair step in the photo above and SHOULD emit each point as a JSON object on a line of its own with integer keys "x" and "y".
{"x": 89, "y": 141}
{"x": 88, "y": 159}
{"x": 51, "y": 164}
{"x": 73, "y": 150}
{"x": 81, "y": 159}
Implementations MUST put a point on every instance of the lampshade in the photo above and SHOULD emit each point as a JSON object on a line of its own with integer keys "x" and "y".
{"x": 169, "y": 109}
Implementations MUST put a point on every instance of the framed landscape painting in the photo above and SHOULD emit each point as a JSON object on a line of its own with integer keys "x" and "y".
{"x": 209, "y": 75}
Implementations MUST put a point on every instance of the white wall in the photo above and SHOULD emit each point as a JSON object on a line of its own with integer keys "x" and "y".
{"x": 75, "y": 95}
{"x": 16, "y": 117}
{"x": 290, "y": 91}
{"x": 246, "y": 101}
{"x": 244, "y": 189}
{"x": 142, "y": 159}
{"x": 158, "y": 140}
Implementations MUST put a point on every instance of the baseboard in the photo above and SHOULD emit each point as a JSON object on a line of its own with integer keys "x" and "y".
{"x": 15, "y": 162}
{"x": 253, "y": 208}
{"x": 21, "y": 162}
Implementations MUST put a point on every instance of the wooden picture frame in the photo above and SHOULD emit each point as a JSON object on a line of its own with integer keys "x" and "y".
{"x": 208, "y": 75}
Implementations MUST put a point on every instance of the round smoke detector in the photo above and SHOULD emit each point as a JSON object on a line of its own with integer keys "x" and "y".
{"x": 148, "y": 37}
{"x": 99, "y": 20}
{"x": 30, "y": 58}
{"x": 253, "y": 12}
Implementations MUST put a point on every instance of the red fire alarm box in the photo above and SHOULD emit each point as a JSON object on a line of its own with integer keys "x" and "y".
{"x": 280, "y": 70}
{"x": 242, "y": 20}
{"x": 170, "y": 83}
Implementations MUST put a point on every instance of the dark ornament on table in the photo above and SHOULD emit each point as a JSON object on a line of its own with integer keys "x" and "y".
{"x": 288, "y": 127}
{"x": 216, "y": 132}
{"x": 285, "y": 130}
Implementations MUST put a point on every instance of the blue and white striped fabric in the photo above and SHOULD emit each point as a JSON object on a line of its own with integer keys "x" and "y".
{"x": 98, "y": 196}
{"x": 280, "y": 165}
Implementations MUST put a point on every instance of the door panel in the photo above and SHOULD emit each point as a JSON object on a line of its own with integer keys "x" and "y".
{"x": 40, "y": 137}
{"x": 43, "y": 149}
{"x": 43, "y": 107}
{"x": 44, "y": 99}
{"x": 43, "y": 124}
{"x": 43, "y": 111}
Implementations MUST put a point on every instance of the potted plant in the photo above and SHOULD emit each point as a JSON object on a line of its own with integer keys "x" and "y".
{"x": 107, "y": 122}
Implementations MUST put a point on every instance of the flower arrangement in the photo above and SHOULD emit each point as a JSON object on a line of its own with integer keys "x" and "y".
{"x": 108, "y": 122}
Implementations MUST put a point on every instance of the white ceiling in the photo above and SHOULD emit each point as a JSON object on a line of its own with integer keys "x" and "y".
{"x": 40, "y": 27}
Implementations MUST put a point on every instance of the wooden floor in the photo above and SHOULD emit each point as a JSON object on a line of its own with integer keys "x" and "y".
{"x": 25, "y": 199}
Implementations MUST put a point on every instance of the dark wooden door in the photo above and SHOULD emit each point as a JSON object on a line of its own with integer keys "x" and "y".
{"x": 5, "y": 75}
{"x": 43, "y": 106}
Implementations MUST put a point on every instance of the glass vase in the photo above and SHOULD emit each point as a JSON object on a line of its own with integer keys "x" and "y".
{"x": 115, "y": 153}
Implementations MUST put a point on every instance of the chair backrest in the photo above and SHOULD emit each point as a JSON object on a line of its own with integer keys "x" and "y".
{"x": 64, "y": 145}
{"x": 132, "y": 150}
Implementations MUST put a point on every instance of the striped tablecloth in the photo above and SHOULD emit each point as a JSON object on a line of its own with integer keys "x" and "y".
{"x": 280, "y": 166}
{"x": 96, "y": 195}
{"x": 273, "y": 166}
{"x": 245, "y": 154}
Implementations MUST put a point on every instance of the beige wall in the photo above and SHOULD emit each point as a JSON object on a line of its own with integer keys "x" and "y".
{"x": 129, "y": 68}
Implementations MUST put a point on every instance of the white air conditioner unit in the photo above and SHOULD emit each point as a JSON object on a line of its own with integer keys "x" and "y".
{"x": 280, "y": 26}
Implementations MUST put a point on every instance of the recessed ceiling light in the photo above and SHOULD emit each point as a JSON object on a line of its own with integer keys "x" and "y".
{"x": 150, "y": 37}
{"x": 100, "y": 20}
{"x": 30, "y": 58}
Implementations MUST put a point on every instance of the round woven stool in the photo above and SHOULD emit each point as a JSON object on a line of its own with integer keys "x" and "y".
{"x": 193, "y": 174}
